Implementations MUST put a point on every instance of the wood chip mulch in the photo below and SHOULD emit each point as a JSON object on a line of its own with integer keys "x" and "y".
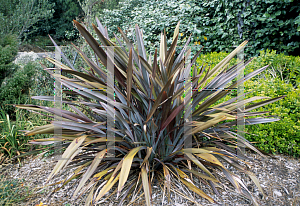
{"x": 279, "y": 178}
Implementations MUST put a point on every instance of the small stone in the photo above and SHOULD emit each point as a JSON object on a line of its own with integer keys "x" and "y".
{"x": 285, "y": 190}
{"x": 291, "y": 168}
{"x": 276, "y": 192}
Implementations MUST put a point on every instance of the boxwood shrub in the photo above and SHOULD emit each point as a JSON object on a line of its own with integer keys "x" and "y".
{"x": 282, "y": 136}
{"x": 281, "y": 78}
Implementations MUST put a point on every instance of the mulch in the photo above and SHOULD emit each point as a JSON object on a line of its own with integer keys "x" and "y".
{"x": 279, "y": 178}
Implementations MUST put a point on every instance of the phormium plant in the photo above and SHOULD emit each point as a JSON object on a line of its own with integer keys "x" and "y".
{"x": 149, "y": 131}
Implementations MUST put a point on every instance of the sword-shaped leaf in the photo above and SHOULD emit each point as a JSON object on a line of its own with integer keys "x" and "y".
{"x": 146, "y": 185}
{"x": 129, "y": 77}
{"x": 92, "y": 42}
{"x": 210, "y": 158}
{"x": 90, "y": 171}
{"x": 197, "y": 190}
{"x": 127, "y": 162}
{"x": 199, "y": 164}
{"x": 176, "y": 31}
{"x": 66, "y": 155}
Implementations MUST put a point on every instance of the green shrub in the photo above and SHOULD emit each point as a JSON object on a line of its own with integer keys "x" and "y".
{"x": 282, "y": 136}
{"x": 280, "y": 78}
{"x": 286, "y": 68}
{"x": 25, "y": 82}
{"x": 8, "y": 51}
{"x": 15, "y": 89}
{"x": 218, "y": 25}
{"x": 8, "y": 48}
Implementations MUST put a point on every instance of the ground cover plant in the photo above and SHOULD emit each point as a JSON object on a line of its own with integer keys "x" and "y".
{"x": 147, "y": 102}
{"x": 12, "y": 191}
{"x": 13, "y": 143}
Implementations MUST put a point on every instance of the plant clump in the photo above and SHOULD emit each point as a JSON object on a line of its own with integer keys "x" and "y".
{"x": 139, "y": 119}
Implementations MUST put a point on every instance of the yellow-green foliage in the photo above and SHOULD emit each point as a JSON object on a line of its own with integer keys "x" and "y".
{"x": 213, "y": 58}
{"x": 286, "y": 68}
{"x": 281, "y": 78}
{"x": 282, "y": 136}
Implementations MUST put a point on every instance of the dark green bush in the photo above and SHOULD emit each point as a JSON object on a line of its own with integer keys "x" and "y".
{"x": 280, "y": 78}
{"x": 60, "y": 24}
{"x": 9, "y": 48}
{"x": 23, "y": 83}
{"x": 15, "y": 90}
{"x": 19, "y": 16}
{"x": 8, "y": 51}
{"x": 270, "y": 24}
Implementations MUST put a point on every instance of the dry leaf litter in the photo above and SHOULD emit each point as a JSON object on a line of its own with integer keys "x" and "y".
{"x": 279, "y": 178}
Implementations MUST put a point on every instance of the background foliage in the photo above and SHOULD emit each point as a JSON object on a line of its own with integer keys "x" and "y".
{"x": 283, "y": 67}
{"x": 282, "y": 136}
{"x": 60, "y": 25}
{"x": 8, "y": 51}
{"x": 19, "y": 17}
{"x": 272, "y": 24}
{"x": 218, "y": 25}
{"x": 25, "y": 82}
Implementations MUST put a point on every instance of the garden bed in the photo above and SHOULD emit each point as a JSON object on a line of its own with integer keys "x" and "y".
{"x": 279, "y": 178}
